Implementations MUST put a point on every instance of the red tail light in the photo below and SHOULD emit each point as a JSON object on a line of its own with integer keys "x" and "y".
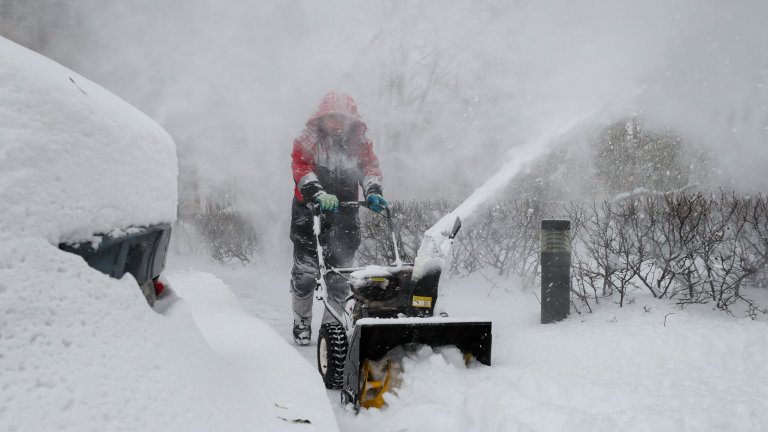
{"x": 159, "y": 288}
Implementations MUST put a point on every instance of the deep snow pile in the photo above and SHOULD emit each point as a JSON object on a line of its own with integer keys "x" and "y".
{"x": 74, "y": 159}
{"x": 80, "y": 351}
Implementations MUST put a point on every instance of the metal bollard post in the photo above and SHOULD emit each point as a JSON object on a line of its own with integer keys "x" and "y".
{"x": 555, "y": 270}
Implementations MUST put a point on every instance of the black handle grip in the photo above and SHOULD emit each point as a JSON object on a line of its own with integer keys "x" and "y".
{"x": 315, "y": 207}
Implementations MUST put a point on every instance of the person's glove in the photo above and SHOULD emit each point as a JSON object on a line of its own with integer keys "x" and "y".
{"x": 328, "y": 202}
{"x": 376, "y": 202}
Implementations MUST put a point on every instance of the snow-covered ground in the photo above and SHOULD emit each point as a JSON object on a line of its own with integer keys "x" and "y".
{"x": 646, "y": 367}
{"x": 268, "y": 384}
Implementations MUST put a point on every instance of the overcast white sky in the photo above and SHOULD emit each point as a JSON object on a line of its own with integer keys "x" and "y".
{"x": 446, "y": 87}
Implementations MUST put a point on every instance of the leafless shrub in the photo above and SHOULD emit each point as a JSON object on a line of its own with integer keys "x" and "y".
{"x": 755, "y": 237}
{"x": 688, "y": 248}
{"x": 228, "y": 235}
{"x": 504, "y": 238}
{"x": 409, "y": 220}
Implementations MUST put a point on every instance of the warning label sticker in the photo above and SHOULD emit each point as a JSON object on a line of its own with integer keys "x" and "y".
{"x": 422, "y": 302}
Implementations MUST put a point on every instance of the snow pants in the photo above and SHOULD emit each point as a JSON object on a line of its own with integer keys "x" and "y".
{"x": 340, "y": 238}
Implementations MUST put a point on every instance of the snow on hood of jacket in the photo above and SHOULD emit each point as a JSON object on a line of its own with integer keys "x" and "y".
{"x": 337, "y": 103}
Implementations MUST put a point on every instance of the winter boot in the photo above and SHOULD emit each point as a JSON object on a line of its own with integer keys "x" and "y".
{"x": 302, "y": 332}
{"x": 302, "y": 318}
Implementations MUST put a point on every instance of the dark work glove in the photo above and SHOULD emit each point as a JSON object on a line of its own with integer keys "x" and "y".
{"x": 376, "y": 202}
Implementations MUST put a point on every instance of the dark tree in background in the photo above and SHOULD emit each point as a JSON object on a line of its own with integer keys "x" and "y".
{"x": 35, "y": 23}
{"x": 623, "y": 159}
{"x": 628, "y": 156}
{"x": 565, "y": 174}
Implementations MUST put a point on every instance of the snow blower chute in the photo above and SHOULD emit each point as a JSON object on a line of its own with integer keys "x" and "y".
{"x": 389, "y": 307}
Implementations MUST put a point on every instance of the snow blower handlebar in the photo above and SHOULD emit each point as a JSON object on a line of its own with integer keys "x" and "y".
{"x": 316, "y": 211}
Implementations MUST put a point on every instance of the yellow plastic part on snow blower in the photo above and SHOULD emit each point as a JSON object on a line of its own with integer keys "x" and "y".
{"x": 372, "y": 389}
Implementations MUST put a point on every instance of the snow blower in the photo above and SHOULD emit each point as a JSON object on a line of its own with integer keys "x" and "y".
{"x": 390, "y": 308}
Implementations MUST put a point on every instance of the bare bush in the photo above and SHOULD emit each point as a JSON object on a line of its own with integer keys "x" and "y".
{"x": 503, "y": 238}
{"x": 689, "y": 248}
{"x": 409, "y": 220}
{"x": 228, "y": 235}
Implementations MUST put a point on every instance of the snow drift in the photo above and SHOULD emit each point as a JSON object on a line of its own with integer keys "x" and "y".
{"x": 80, "y": 351}
{"x": 75, "y": 159}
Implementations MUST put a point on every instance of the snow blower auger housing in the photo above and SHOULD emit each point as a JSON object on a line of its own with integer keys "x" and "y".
{"x": 387, "y": 308}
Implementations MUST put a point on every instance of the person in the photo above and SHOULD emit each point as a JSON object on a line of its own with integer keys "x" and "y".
{"x": 331, "y": 160}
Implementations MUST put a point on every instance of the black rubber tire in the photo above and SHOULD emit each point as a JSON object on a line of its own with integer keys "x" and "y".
{"x": 332, "y": 350}
{"x": 349, "y": 400}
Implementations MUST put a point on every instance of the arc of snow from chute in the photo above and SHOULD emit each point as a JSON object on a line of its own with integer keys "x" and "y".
{"x": 436, "y": 245}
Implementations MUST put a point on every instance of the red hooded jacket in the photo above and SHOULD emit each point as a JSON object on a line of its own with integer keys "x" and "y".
{"x": 337, "y": 167}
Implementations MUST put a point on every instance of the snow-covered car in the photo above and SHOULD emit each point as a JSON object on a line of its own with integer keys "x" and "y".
{"x": 83, "y": 169}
